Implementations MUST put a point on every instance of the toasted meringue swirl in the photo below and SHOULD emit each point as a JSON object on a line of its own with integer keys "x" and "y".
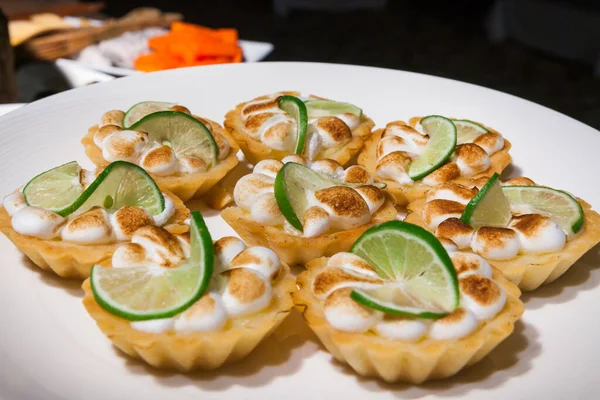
{"x": 332, "y": 208}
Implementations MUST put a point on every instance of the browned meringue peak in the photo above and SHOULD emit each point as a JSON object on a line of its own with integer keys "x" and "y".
{"x": 129, "y": 255}
{"x": 268, "y": 167}
{"x": 393, "y": 165}
{"x": 454, "y": 317}
{"x": 457, "y": 231}
{"x": 315, "y": 220}
{"x": 480, "y": 289}
{"x": 471, "y": 159}
{"x": 161, "y": 246}
{"x": 344, "y": 203}
{"x": 86, "y": 177}
{"x": 296, "y": 158}
{"x": 280, "y": 135}
{"x": 181, "y": 109}
{"x": 470, "y": 263}
{"x": 358, "y": 174}
{"x": 124, "y": 145}
{"x": 205, "y": 122}
{"x": 222, "y": 145}
{"x": 192, "y": 164}
{"x": 105, "y": 131}
{"x": 128, "y": 219}
{"x": 203, "y": 307}
{"x": 246, "y": 286}
{"x": 496, "y": 243}
{"x": 372, "y": 195}
{"x": 408, "y": 132}
{"x": 333, "y": 131}
{"x": 538, "y": 234}
{"x": 529, "y": 224}
{"x": 262, "y": 106}
{"x": 256, "y": 121}
{"x": 265, "y": 210}
{"x": 331, "y": 279}
{"x": 91, "y": 227}
{"x": 448, "y": 244}
{"x": 445, "y": 173}
{"x": 452, "y": 191}
{"x": 160, "y": 161}
{"x": 328, "y": 167}
{"x": 480, "y": 182}
{"x": 341, "y": 301}
{"x": 113, "y": 117}
{"x": 259, "y": 259}
{"x": 391, "y": 144}
{"x": 352, "y": 263}
{"x": 490, "y": 142}
{"x": 436, "y": 211}
{"x": 519, "y": 181}
{"x": 225, "y": 250}
{"x": 251, "y": 186}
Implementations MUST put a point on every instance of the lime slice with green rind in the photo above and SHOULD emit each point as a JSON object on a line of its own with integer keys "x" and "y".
{"x": 421, "y": 279}
{"x": 441, "y": 144}
{"x": 467, "y": 131}
{"x": 187, "y": 136}
{"x": 291, "y": 183}
{"x": 326, "y": 108}
{"x": 557, "y": 205}
{"x": 140, "y": 110}
{"x": 122, "y": 184}
{"x": 56, "y": 189}
{"x": 152, "y": 292}
{"x": 489, "y": 207}
{"x": 297, "y": 110}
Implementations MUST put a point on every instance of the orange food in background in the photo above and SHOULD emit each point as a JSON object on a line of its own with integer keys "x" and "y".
{"x": 187, "y": 45}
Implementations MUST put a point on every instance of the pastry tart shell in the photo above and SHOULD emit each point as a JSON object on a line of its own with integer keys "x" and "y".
{"x": 400, "y": 361}
{"x": 256, "y": 151}
{"x": 530, "y": 271}
{"x": 72, "y": 260}
{"x": 199, "y": 350}
{"x": 185, "y": 186}
{"x": 294, "y": 249}
{"x": 405, "y": 194}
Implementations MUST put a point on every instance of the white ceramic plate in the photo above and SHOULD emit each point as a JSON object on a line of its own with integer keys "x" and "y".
{"x": 50, "y": 348}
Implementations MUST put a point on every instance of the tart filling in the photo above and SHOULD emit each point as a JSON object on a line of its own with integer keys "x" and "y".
{"x": 331, "y": 209}
{"x": 481, "y": 299}
{"x": 95, "y": 226}
{"x": 158, "y": 158}
{"x": 401, "y": 143}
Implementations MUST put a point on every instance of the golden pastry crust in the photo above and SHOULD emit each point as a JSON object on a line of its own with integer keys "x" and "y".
{"x": 294, "y": 249}
{"x": 256, "y": 151}
{"x": 201, "y": 350}
{"x": 399, "y": 361}
{"x": 404, "y": 194}
{"x": 185, "y": 186}
{"x": 530, "y": 271}
{"x": 72, "y": 260}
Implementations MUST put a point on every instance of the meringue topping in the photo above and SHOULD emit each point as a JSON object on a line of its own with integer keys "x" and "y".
{"x": 471, "y": 159}
{"x": 345, "y": 314}
{"x": 333, "y": 131}
{"x": 457, "y": 231}
{"x": 160, "y": 161}
{"x": 127, "y": 220}
{"x": 445, "y": 173}
{"x": 436, "y": 211}
{"x": 113, "y": 117}
{"x": 92, "y": 227}
{"x": 104, "y": 132}
{"x": 225, "y": 250}
{"x": 453, "y": 192}
{"x": 538, "y": 234}
{"x": 496, "y": 243}
{"x": 246, "y": 292}
{"x": 38, "y": 222}
{"x": 124, "y": 145}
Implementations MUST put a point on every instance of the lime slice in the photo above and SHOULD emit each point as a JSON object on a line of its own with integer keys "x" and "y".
{"x": 489, "y": 207}
{"x": 152, "y": 292}
{"x": 56, "y": 189}
{"x": 467, "y": 131}
{"x": 122, "y": 184}
{"x": 442, "y": 141}
{"x": 421, "y": 278}
{"x": 297, "y": 110}
{"x": 140, "y": 110}
{"x": 326, "y": 108}
{"x": 557, "y": 205}
{"x": 187, "y": 136}
{"x": 291, "y": 183}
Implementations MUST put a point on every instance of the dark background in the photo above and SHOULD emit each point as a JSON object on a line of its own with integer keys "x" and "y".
{"x": 444, "y": 38}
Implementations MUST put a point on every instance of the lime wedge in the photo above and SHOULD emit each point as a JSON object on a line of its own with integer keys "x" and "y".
{"x": 326, "y": 108}
{"x": 291, "y": 183}
{"x": 442, "y": 141}
{"x": 185, "y": 134}
{"x": 56, "y": 189}
{"x": 140, "y": 110}
{"x": 297, "y": 110}
{"x": 152, "y": 292}
{"x": 122, "y": 184}
{"x": 489, "y": 207}
{"x": 557, "y": 205}
{"x": 421, "y": 278}
{"x": 467, "y": 131}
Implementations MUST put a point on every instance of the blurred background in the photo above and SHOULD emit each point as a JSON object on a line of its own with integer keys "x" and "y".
{"x": 546, "y": 51}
